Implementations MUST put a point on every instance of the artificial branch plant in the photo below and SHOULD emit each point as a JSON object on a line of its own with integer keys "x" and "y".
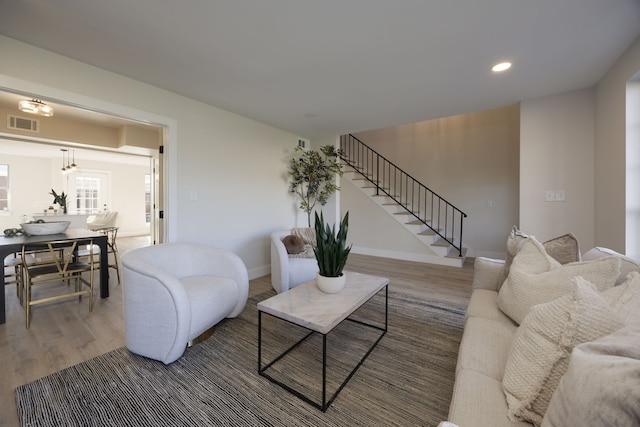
{"x": 313, "y": 176}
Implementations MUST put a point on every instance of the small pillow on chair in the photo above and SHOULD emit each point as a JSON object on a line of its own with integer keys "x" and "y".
{"x": 294, "y": 244}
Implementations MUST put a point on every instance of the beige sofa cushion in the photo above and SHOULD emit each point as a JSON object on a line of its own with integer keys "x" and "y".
{"x": 485, "y": 346}
{"x": 484, "y": 303}
{"x": 540, "y": 353}
{"x": 536, "y": 278}
{"x": 487, "y": 273}
{"x": 478, "y": 401}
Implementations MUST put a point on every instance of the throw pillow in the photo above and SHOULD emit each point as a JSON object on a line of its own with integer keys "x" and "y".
{"x": 540, "y": 353}
{"x": 564, "y": 249}
{"x": 536, "y": 278}
{"x": 602, "y": 384}
{"x": 307, "y": 234}
{"x": 294, "y": 244}
{"x": 627, "y": 265}
{"x": 515, "y": 240}
{"x": 625, "y": 298}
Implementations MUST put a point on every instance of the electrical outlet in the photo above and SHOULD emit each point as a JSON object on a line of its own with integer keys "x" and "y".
{"x": 554, "y": 196}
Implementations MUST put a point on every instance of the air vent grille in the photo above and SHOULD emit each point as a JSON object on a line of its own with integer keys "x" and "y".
{"x": 23, "y": 123}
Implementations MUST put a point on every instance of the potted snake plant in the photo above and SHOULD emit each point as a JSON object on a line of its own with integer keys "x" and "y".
{"x": 331, "y": 252}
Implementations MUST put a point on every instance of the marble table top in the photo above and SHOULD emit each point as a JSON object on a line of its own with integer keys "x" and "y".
{"x": 308, "y": 306}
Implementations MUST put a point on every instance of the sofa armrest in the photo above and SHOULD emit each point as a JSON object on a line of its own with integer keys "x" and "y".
{"x": 486, "y": 273}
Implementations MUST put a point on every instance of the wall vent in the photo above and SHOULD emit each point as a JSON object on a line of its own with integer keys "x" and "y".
{"x": 23, "y": 123}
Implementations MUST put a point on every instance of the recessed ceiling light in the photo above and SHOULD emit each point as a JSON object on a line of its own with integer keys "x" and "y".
{"x": 503, "y": 66}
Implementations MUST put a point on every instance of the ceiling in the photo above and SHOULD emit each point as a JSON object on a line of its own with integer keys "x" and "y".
{"x": 318, "y": 68}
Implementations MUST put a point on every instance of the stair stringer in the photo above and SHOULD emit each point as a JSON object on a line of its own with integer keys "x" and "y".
{"x": 437, "y": 250}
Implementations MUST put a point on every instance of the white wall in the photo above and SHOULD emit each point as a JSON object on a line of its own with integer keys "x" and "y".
{"x": 557, "y": 153}
{"x": 610, "y": 150}
{"x": 225, "y": 172}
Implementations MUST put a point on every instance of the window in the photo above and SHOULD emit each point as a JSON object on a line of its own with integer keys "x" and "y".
{"x": 4, "y": 189}
{"x": 87, "y": 195}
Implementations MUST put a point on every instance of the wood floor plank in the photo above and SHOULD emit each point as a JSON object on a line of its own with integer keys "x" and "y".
{"x": 64, "y": 333}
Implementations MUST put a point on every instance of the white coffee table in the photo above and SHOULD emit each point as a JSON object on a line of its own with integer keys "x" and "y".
{"x": 308, "y": 307}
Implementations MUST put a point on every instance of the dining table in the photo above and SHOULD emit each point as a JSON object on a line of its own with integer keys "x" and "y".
{"x": 13, "y": 245}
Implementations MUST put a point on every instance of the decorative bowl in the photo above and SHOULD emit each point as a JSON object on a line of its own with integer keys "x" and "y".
{"x": 44, "y": 228}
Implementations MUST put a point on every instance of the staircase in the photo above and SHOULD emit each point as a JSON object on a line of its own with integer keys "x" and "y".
{"x": 426, "y": 215}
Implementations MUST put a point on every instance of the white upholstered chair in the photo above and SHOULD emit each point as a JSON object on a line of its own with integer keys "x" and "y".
{"x": 288, "y": 272}
{"x": 102, "y": 220}
{"x": 174, "y": 292}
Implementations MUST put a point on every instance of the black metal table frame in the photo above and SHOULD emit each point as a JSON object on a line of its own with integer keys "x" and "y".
{"x": 325, "y": 403}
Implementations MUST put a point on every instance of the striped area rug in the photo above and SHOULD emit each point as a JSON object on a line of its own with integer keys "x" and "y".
{"x": 406, "y": 381}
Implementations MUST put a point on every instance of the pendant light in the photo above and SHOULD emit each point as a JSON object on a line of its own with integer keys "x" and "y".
{"x": 64, "y": 168}
{"x": 73, "y": 163}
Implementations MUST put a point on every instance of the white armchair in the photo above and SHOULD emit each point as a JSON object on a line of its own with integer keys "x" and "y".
{"x": 288, "y": 272}
{"x": 174, "y": 292}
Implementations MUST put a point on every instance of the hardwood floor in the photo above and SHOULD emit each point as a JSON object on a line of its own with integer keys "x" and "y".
{"x": 64, "y": 333}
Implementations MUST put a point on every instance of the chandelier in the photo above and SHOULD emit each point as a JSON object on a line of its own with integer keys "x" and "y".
{"x": 35, "y": 106}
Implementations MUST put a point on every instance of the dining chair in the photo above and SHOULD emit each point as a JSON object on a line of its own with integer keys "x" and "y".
{"x": 112, "y": 249}
{"x": 56, "y": 262}
{"x": 13, "y": 274}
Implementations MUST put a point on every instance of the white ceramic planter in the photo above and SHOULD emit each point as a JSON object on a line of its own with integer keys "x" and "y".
{"x": 331, "y": 285}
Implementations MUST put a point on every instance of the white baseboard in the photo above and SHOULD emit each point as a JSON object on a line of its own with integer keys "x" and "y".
{"x": 254, "y": 273}
{"x": 406, "y": 256}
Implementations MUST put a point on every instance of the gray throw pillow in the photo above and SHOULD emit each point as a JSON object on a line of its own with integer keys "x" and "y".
{"x": 294, "y": 244}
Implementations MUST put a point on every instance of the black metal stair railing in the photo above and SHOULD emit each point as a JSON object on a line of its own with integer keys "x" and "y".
{"x": 427, "y": 207}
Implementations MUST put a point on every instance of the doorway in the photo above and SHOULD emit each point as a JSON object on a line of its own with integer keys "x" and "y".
{"x": 130, "y": 144}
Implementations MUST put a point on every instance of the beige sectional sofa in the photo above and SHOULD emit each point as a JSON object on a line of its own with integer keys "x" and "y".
{"x": 508, "y": 370}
